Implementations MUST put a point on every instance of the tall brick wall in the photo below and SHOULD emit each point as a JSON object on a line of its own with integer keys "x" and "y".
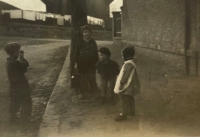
{"x": 198, "y": 24}
{"x": 164, "y": 25}
{"x": 157, "y": 24}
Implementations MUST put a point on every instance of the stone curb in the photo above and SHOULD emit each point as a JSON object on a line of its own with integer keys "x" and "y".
{"x": 51, "y": 118}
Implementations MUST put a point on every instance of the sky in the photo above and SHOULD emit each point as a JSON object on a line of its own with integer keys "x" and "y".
{"x": 35, "y": 5}
{"x": 115, "y": 6}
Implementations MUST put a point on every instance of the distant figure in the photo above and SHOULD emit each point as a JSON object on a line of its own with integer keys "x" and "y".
{"x": 127, "y": 84}
{"x": 85, "y": 62}
{"x": 108, "y": 70}
{"x": 19, "y": 87}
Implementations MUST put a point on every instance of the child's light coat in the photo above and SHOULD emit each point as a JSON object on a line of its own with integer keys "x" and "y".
{"x": 125, "y": 86}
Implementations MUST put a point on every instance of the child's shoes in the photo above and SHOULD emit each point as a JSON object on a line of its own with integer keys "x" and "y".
{"x": 121, "y": 117}
{"x": 131, "y": 114}
{"x": 102, "y": 101}
{"x": 81, "y": 96}
{"x": 13, "y": 119}
{"x": 111, "y": 101}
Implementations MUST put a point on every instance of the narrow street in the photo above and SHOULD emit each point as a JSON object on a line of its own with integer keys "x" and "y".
{"x": 168, "y": 105}
{"x": 54, "y": 34}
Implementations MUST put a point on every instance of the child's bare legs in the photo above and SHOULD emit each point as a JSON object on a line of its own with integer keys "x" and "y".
{"x": 103, "y": 87}
{"x": 112, "y": 85}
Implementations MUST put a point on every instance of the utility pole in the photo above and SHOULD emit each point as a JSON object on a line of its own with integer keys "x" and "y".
{"x": 196, "y": 10}
{"x": 187, "y": 35}
{"x": 79, "y": 18}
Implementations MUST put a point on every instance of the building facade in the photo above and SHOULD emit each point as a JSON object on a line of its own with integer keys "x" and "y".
{"x": 165, "y": 25}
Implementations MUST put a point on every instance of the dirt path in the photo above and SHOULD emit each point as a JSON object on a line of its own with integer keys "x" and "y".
{"x": 46, "y": 60}
{"x": 168, "y": 106}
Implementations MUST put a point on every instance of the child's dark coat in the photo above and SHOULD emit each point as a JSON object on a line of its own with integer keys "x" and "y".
{"x": 86, "y": 55}
{"x": 19, "y": 87}
{"x": 108, "y": 69}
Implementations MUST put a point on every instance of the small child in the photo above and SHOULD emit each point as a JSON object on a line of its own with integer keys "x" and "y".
{"x": 127, "y": 84}
{"x": 108, "y": 70}
{"x": 19, "y": 86}
{"x": 85, "y": 61}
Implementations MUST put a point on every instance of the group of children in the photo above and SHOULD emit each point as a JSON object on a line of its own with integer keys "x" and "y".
{"x": 88, "y": 59}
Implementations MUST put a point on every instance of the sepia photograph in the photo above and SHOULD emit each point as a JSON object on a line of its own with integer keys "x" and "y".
{"x": 99, "y": 68}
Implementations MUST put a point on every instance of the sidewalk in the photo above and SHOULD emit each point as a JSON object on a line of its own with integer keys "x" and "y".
{"x": 168, "y": 105}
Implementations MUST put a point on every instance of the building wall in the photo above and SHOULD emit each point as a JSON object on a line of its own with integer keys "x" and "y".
{"x": 158, "y": 24}
{"x": 164, "y": 25}
{"x": 198, "y": 24}
{"x": 42, "y": 31}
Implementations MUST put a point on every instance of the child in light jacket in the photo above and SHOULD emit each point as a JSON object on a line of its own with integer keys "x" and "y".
{"x": 127, "y": 84}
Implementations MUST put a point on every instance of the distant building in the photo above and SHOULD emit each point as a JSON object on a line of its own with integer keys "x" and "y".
{"x": 94, "y": 8}
{"x": 100, "y": 9}
{"x": 115, "y": 14}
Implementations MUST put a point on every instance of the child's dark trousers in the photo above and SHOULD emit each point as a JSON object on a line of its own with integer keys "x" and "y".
{"x": 104, "y": 86}
{"x": 128, "y": 104}
{"x": 20, "y": 100}
{"x": 88, "y": 82}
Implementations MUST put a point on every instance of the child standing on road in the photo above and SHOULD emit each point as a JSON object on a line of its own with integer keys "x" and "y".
{"x": 85, "y": 62}
{"x": 127, "y": 84}
{"x": 108, "y": 70}
{"x": 19, "y": 86}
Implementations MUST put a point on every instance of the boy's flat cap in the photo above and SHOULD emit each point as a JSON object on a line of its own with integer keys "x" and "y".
{"x": 12, "y": 46}
{"x": 105, "y": 51}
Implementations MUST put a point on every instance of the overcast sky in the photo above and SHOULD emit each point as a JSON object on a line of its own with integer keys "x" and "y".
{"x": 35, "y": 5}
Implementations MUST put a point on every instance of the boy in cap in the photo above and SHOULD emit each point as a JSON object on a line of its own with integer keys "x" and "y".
{"x": 108, "y": 70}
{"x": 127, "y": 84}
{"x": 19, "y": 86}
{"x": 85, "y": 61}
